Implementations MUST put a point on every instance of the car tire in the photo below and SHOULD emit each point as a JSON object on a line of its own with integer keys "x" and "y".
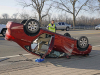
{"x": 31, "y": 27}
{"x": 67, "y": 28}
{"x": 82, "y": 43}
{"x": 67, "y": 34}
{"x": 62, "y": 29}
{"x": 3, "y": 32}
{"x": 24, "y": 21}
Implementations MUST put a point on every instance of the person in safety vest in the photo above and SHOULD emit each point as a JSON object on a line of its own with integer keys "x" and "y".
{"x": 52, "y": 27}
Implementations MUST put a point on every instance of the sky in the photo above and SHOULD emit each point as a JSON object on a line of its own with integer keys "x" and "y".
{"x": 11, "y": 6}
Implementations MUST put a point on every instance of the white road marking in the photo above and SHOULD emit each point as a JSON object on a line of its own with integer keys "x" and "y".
{"x": 14, "y": 56}
{"x": 89, "y": 37}
{"x": 96, "y": 46}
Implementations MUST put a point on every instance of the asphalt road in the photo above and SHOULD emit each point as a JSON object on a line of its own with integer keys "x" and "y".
{"x": 10, "y": 49}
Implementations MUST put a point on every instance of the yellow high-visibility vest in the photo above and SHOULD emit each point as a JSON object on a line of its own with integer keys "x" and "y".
{"x": 51, "y": 28}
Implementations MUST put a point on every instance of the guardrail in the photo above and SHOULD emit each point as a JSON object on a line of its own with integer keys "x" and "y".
{"x": 85, "y": 27}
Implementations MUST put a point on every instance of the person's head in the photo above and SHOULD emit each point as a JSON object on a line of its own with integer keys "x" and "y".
{"x": 52, "y": 22}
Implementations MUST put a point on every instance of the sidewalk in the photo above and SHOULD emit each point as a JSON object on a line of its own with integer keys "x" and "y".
{"x": 77, "y": 65}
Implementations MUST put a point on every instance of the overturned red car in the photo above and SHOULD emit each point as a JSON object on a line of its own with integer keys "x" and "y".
{"x": 44, "y": 43}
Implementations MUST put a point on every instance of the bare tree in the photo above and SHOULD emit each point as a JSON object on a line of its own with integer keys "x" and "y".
{"x": 99, "y": 2}
{"x": 5, "y": 17}
{"x": 72, "y": 6}
{"x": 99, "y": 6}
{"x": 38, "y": 6}
{"x": 24, "y": 16}
{"x": 14, "y": 16}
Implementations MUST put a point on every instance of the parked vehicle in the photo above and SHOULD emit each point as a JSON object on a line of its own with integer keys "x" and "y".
{"x": 63, "y": 26}
{"x": 30, "y": 37}
{"x": 97, "y": 27}
{"x": 3, "y": 29}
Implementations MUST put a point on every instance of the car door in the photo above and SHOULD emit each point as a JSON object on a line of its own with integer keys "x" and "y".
{"x": 46, "y": 46}
{"x": 68, "y": 45}
{"x": 63, "y": 25}
{"x": 51, "y": 44}
{"x": 59, "y": 25}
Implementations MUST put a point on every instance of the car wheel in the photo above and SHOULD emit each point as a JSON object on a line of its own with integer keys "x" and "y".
{"x": 4, "y": 32}
{"x": 82, "y": 42}
{"x": 67, "y": 28}
{"x": 67, "y": 34}
{"x": 32, "y": 27}
{"x": 62, "y": 29}
{"x": 24, "y": 21}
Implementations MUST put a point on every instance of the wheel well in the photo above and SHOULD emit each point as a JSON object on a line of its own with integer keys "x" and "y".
{"x": 3, "y": 29}
{"x": 24, "y": 21}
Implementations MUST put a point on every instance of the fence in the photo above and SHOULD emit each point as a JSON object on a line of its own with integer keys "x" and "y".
{"x": 85, "y": 27}
{"x": 80, "y": 27}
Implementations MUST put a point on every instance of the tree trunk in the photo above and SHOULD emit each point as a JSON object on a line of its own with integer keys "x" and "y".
{"x": 40, "y": 19}
{"x": 74, "y": 18}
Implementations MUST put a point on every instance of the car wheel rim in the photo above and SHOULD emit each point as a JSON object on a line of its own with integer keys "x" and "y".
{"x": 83, "y": 42}
{"x": 67, "y": 28}
{"x": 32, "y": 26}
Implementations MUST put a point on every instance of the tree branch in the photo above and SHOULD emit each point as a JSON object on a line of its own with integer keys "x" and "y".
{"x": 47, "y": 12}
{"x": 81, "y": 7}
{"x": 68, "y": 10}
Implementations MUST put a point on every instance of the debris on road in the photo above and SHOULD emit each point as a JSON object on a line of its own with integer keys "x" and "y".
{"x": 4, "y": 59}
{"x": 27, "y": 59}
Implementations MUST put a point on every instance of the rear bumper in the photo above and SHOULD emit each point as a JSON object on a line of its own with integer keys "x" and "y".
{"x": 9, "y": 37}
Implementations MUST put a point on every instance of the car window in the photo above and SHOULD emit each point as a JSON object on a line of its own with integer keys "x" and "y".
{"x": 63, "y": 23}
{"x": 59, "y": 23}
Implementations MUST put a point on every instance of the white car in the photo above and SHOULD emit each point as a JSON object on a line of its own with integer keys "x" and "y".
{"x": 97, "y": 27}
{"x": 3, "y": 29}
